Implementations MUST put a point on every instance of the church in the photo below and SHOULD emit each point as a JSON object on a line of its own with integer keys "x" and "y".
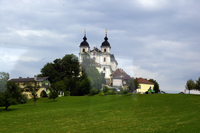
{"x": 104, "y": 60}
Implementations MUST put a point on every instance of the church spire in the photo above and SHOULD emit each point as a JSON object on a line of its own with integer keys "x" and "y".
{"x": 106, "y": 38}
{"x": 84, "y": 38}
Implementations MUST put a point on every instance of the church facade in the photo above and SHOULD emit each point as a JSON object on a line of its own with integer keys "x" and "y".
{"x": 104, "y": 60}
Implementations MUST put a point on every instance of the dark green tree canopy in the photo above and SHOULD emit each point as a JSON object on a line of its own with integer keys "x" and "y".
{"x": 59, "y": 69}
{"x": 198, "y": 84}
{"x": 156, "y": 85}
{"x": 190, "y": 85}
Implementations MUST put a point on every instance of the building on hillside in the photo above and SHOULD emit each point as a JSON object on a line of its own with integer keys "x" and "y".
{"x": 43, "y": 82}
{"x": 119, "y": 78}
{"x": 144, "y": 85}
{"x": 106, "y": 62}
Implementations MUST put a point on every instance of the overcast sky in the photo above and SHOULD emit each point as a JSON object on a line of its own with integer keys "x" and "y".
{"x": 156, "y": 39}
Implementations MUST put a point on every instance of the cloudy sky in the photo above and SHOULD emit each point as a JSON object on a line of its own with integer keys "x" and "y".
{"x": 156, "y": 39}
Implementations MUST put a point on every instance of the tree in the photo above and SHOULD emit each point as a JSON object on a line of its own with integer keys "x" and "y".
{"x": 132, "y": 84}
{"x": 190, "y": 85}
{"x": 3, "y": 81}
{"x": 11, "y": 96}
{"x": 156, "y": 85}
{"x": 89, "y": 68}
{"x": 67, "y": 67}
{"x": 55, "y": 89}
{"x": 33, "y": 88}
{"x": 198, "y": 84}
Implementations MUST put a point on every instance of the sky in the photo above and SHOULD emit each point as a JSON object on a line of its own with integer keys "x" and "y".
{"x": 156, "y": 39}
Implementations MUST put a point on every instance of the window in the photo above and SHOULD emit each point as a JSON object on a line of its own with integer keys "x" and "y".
{"x": 104, "y": 50}
{"x": 139, "y": 86}
{"x": 83, "y": 50}
{"x": 104, "y": 68}
{"x": 104, "y": 59}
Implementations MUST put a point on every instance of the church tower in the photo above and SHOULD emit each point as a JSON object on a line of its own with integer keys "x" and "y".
{"x": 84, "y": 47}
{"x": 105, "y": 65}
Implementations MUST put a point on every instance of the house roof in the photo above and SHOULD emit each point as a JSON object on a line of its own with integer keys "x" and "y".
{"x": 120, "y": 73}
{"x": 28, "y": 79}
{"x": 141, "y": 80}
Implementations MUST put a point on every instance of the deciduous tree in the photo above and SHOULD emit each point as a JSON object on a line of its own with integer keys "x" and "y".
{"x": 156, "y": 85}
{"x": 198, "y": 84}
{"x": 3, "y": 81}
{"x": 190, "y": 85}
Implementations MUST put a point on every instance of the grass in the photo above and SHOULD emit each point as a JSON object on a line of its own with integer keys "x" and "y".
{"x": 115, "y": 113}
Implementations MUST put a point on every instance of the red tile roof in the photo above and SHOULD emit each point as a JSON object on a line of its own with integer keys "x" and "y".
{"x": 120, "y": 73}
{"x": 141, "y": 80}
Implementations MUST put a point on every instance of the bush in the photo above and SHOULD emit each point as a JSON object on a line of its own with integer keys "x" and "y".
{"x": 67, "y": 93}
{"x": 105, "y": 89}
{"x": 128, "y": 94}
{"x": 110, "y": 93}
{"x": 100, "y": 94}
{"x": 93, "y": 91}
{"x": 125, "y": 92}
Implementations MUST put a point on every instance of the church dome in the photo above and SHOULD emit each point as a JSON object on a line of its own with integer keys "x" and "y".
{"x": 84, "y": 43}
{"x": 105, "y": 43}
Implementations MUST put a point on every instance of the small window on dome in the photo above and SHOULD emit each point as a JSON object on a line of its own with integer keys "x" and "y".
{"x": 83, "y": 50}
{"x": 104, "y": 50}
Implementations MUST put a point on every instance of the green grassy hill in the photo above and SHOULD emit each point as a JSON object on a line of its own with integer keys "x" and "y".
{"x": 136, "y": 113}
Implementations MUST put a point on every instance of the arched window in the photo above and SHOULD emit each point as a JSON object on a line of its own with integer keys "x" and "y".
{"x": 104, "y": 59}
{"x": 104, "y": 68}
{"x": 83, "y": 50}
{"x": 104, "y": 50}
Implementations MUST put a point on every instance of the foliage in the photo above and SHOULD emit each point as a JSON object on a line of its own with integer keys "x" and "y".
{"x": 23, "y": 99}
{"x": 198, "y": 84}
{"x": 55, "y": 89}
{"x": 67, "y": 67}
{"x": 3, "y": 81}
{"x": 32, "y": 88}
{"x": 190, "y": 85}
{"x": 100, "y": 94}
{"x": 93, "y": 91}
{"x": 11, "y": 96}
{"x": 156, "y": 85}
{"x": 96, "y": 79}
{"x": 67, "y": 93}
{"x": 132, "y": 84}
{"x": 105, "y": 89}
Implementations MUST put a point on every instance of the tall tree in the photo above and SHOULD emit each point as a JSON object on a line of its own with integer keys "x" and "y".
{"x": 67, "y": 67}
{"x": 11, "y": 96}
{"x": 3, "y": 81}
{"x": 33, "y": 88}
{"x": 190, "y": 85}
{"x": 156, "y": 85}
{"x": 198, "y": 84}
{"x": 89, "y": 68}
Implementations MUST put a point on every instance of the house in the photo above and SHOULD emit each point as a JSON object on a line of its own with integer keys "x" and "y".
{"x": 104, "y": 60}
{"x": 119, "y": 78}
{"x": 43, "y": 82}
{"x": 144, "y": 85}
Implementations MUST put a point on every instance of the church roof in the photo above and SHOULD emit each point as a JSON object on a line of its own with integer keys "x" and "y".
{"x": 112, "y": 58}
{"x": 84, "y": 43}
{"x": 141, "y": 80}
{"x": 105, "y": 43}
{"x": 95, "y": 49}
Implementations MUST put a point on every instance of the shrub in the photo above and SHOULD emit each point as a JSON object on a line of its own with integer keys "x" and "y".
{"x": 67, "y": 93}
{"x": 125, "y": 92}
{"x": 94, "y": 91}
{"x": 105, "y": 89}
{"x": 100, "y": 94}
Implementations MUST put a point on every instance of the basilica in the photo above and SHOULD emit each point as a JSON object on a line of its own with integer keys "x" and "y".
{"x": 104, "y": 61}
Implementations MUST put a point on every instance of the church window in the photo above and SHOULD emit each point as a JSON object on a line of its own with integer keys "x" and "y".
{"x": 104, "y": 50}
{"x": 104, "y": 68}
{"x": 104, "y": 59}
{"x": 83, "y": 50}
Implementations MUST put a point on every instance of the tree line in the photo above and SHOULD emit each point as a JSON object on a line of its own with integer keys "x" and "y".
{"x": 193, "y": 85}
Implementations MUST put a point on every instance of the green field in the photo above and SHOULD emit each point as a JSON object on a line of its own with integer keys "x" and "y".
{"x": 113, "y": 114}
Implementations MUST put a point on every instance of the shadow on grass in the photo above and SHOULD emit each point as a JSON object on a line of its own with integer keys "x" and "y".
{"x": 8, "y": 110}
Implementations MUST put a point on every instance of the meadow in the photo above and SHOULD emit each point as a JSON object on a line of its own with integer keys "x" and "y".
{"x": 111, "y": 113}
